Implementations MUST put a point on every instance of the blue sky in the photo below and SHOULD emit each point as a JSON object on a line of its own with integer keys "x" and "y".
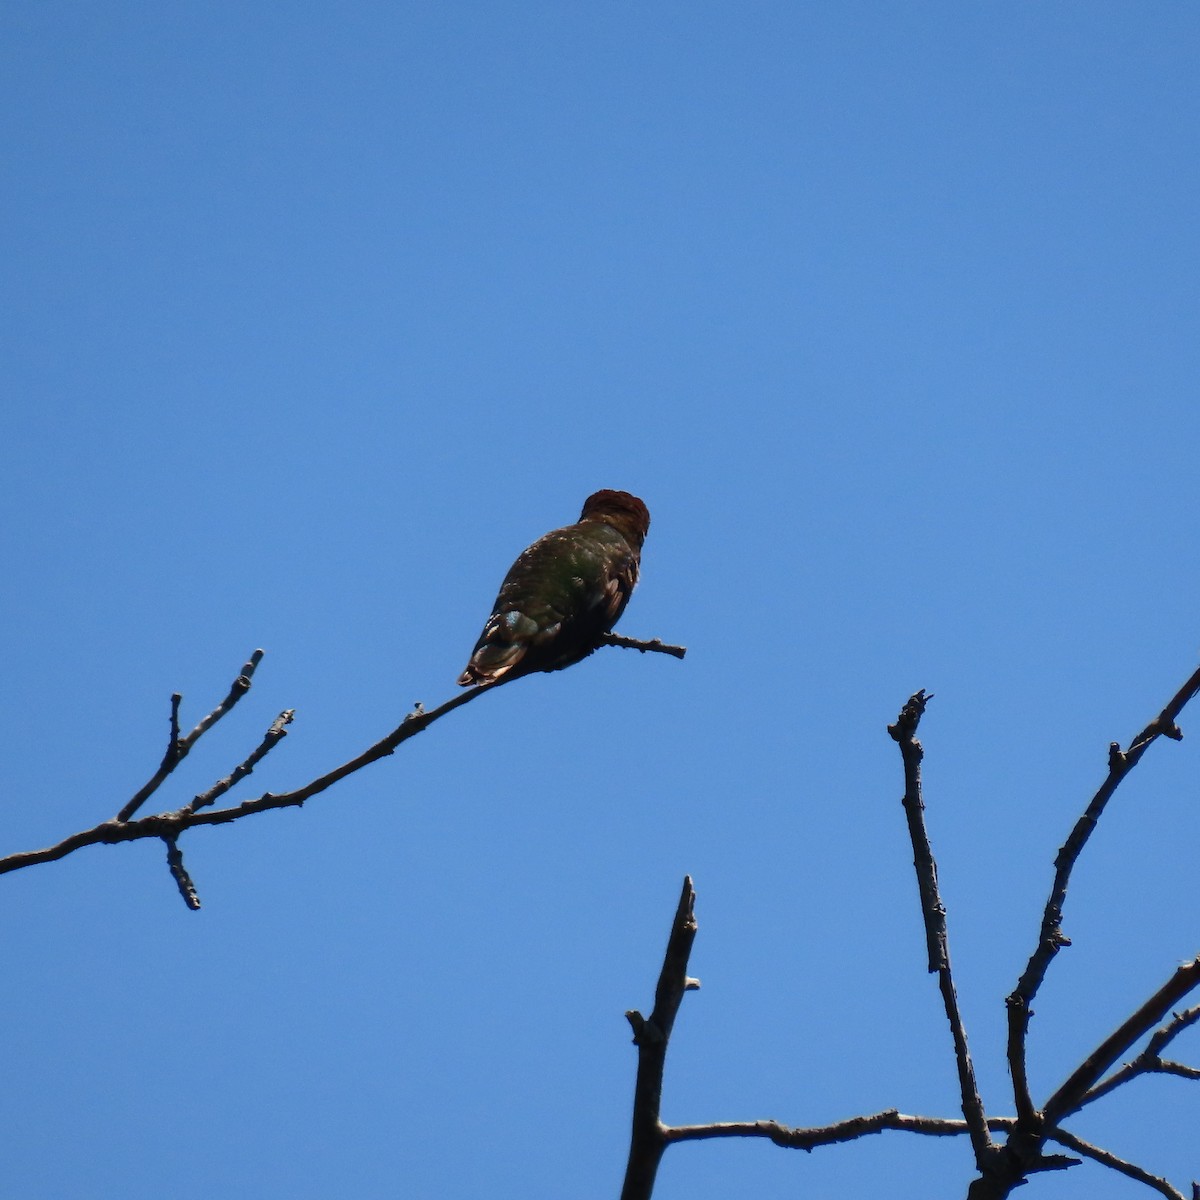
{"x": 317, "y": 315}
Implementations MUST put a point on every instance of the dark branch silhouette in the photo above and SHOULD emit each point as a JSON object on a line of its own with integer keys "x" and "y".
{"x": 1001, "y": 1167}
{"x": 1073, "y": 1094}
{"x": 178, "y": 747}
{"x": 1107, "y": 1159}
{"x": 654, "y": 644}
{"x": 651, "y": 1034}
{"x": 937, "y": 938}
{"x": 1051, "y": 938}
{"x": 198, "y": 811}
{"x": 1150, "y": 1060}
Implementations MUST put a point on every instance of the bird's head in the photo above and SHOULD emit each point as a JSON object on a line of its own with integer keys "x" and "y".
{"x": 625, "y": 513}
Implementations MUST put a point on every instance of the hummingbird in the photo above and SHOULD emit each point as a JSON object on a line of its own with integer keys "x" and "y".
{"x": 564, "y": 592}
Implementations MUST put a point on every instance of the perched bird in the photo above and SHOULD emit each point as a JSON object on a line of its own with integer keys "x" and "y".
{"x": 564, "y": 592}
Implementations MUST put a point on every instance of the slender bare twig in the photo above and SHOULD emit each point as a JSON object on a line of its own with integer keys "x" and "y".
{"x": 1074, "y": 1092}
{"x": 797, "y": 1138}
{"x": 1051, "y": 938}
{"x": 911, "y": 751}
{"x": 1001, "y": 1168}
{"x": 172, "y": 824}
{"x": 187, "y": 889}
{"x": 648, "y": 1138}
{"x": 934, "y": 914}
{"x": 656, "y": 645}
{"x": 169, "y": 825}
{"x": 1179, "y": 1021}
{"x": 1110, "y": 1160}
{"x": 274, "y": 735}
{"x": 890, "y": 1119}
{"x": 1150, "y": 1061}
{"x": 178, "y": 747}
{"x": 1169, "y": 1067}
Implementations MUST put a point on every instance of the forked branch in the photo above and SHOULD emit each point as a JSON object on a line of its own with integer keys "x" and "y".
{"x": 1051, "y": 938}
{"x": 1002, "y": 1168}
{"x": 1150, "y": 1061}
{"x": 125, "y": 827}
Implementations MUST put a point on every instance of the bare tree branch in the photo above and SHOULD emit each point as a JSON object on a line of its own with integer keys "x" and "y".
{"x": 1108, "y": 1159}
{"x": 934, "y": 913}
{"x": 274, "y": 735}
{"x": 813, "y": 1137}
{"x": 1051, "y": 938}
{"x": 169, "y": 825}
{"x": 187, "y": 889}
{"x": 890, "y": 1119}
{"x": 648, "y": 1137}
{"x": 1168, "y": 1067}
{"x": 1150, "y": 1060}
{"x": 1180, "y": 1021}
{"x": 797, "y": 1138}
{"x": 1001, "y": 1168}
{"x": 178, "y": 747}
{"x": 1073, "y": 1094}
{"x": 656, "y": 645}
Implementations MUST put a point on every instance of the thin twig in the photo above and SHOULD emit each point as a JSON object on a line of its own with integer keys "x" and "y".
{"x": 891, "y": 1119}
{"x": 1179, "y": 1021}
{"x": 178, "y": 747}
{"x": 1168, "y": 1067}
{"x": 1150, "y": 1061}
{"x": 1073, "y": 1094}
{"x": 274, "y": 735}
{"x": 1110, "y": 1160}
{"x": 187, "y": 889}
{"x": 648, "y": 1138}
{"x": 1051, "y": 938}
{"x": 172, "y": 824}
{"x": 656, "y": 645}
{"x": 797, "y": 1138}
{"x": 934, "y": 913}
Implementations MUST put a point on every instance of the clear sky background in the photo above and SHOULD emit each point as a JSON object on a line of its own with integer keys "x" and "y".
{"x": 316, "y": 315}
